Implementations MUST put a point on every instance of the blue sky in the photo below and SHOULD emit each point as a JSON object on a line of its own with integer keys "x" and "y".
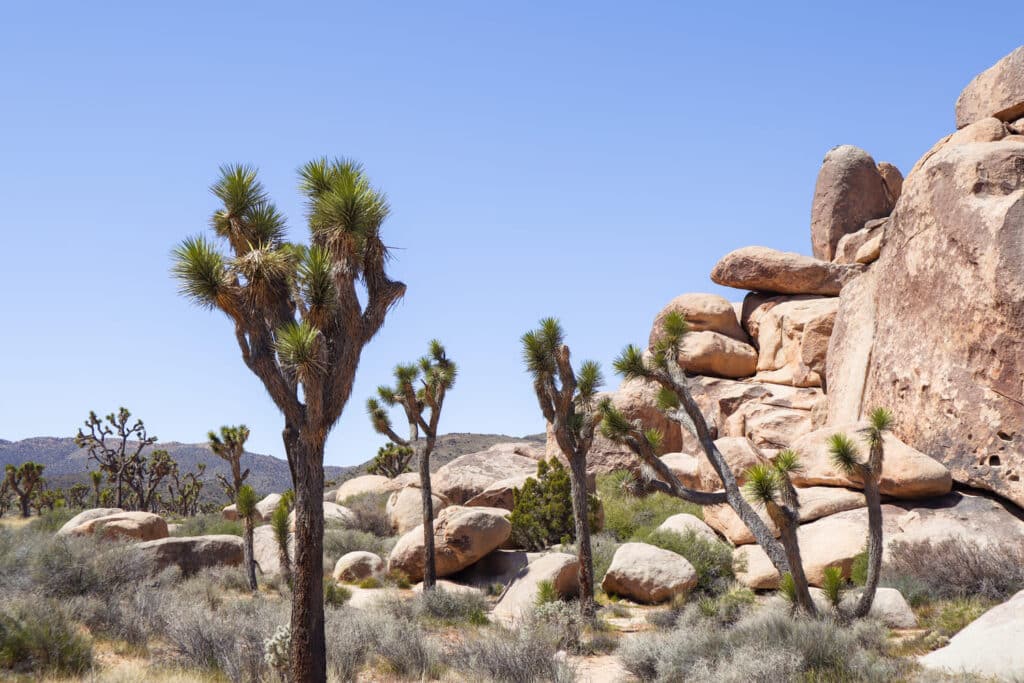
{"x": 587, "y": 160}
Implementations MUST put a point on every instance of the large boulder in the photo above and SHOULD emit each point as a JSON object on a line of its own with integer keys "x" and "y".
{"x": 193, "y": 553}
{"x": 86, "y": 516}
{"x": 740, "y": 455}
{"x": 367, "y": 484}
{"x": 404, "y": 508}
{"x": 998, "y": 91}
{"x": 849, "y": 192}
{"x": 989, "y": 646}
{"x": 462, "y": 535}
{"x": 334, "y": 515}
{"x": 648, "y": 574}
{"x": 265, "y": 508}
{"x": 888, "y": 606}
{"x": 519, "y": 599}
{"x": 792, "y": 337}
{"x": 230, "y": 513}
{"x": 469, "y": 475}
{"x": 815, "y": 502}
{"x": 966, "y": 517}
{"x": 133, "y": 525}
{"x": 266, "y": 552}
{"x": 893, "y": 179}
{"x": 685, "y": 523}
{"x": 500, "y": 493}
{"x": 715, "y": 354}
{"x": 906, "y": 472}
{"x": 703, "y": 312}
{"x": 685, "y": 466}
{"x": 356, "y": 566}
{"x": 943, "y": 350}
{"x": 783, "y": 272}
{"x": 500, "y": 566}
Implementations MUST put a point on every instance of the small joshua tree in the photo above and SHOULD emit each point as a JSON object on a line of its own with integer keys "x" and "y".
{"x": 96, "y": 477}
{"x": 116, "y": 446}
{"x": 185, "y": 490}
{"x": 145, "y": 476}
{"x": 230, "y": 447}
{"x": 435, "y": 376}
{"x": 5, "y": 496}
{"x": 281, "y": 527}
{"x": 245, "y": 502}
{"x": 391, "y": 460}
{"x": 76, "y": 494}
{"x": 770, "y": 485}
{"x": 567, "y": 401}
{"x": 23, "y": 480}
{"x": 845, "y": 456}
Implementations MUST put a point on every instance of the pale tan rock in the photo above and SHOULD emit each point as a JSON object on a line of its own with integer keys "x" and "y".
{"x": 849, "y": 350}
{"x": 870, "y": 250}
{"x": 471, "y": 474}
{"x": 685, "y": 467}
{"x": 265, "y": 550}
{"x": 849, "y": 192}
{"x": 367, "y": 483}
{"x": 768, "y": 270}
{"x": 985, "y": 130}
{"x": 520, "y": 598}
{"x": 230, "y": 513}
{"x": 703, "y": 312}
{"x": 888, "y": 606}
{"x": 331, "y": 495}
{"x": 450, "y": 587}
{"x": 959, "y": 516}
{"x": 462, "y": 535}
{"x": 740, "y": 455}
{"x": 193, "y": 553}
{"x": 357, "y": 565}
{"x": 648, "y": 574}
{"x": 684, "y": 523}
{"x": 849, "y": 245}
{"x": 792, "y": 337}
{"x": 997, "y": 91}
{"x": 132, "y": 525}
{"x": 86, "y": 516}
{"x": 404, "y": 508}
{"x": 334, "y": 515}
{"x": 989, "y": 646}
{"x": 265, "y": 508}
{"x": 815, "y": 502}
{"x": 893, "y": 180}
{"x": 711, "y": 353}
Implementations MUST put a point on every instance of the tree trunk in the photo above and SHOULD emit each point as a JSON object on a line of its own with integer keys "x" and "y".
{"x": 796, "y": 568}
{"x": 873, "y": 496}
{"x": 308, "y": 646}
{"x": 429, "y": 566}
{"x": 581, "y": 511}
{"x": 248, "y": 557}
{"x": 25, "y": 512}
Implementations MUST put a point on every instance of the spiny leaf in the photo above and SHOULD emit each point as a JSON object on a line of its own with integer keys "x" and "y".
{"x": 843, "y": 452}
{"x": 763, "y": 484}
{"x": 201, "y": 272}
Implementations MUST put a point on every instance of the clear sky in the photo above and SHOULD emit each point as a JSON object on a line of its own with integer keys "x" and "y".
{"x": 588, "y": 160}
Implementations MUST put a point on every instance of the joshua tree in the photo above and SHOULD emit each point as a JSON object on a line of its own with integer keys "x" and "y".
{"x": 96, "y": 477}
{"x": 567, "y": 401}
{"x": 184, "y": 490}
{"x": 674, "y": 398}
{"x": 245, "y": 502}
{"x": 23, "y": 480}
{"x": 146, "y": 474}
{"x": 301, "y": 323}
{"x": 772, "y": 487}
{"x": 846, "y": 457}
{"x": 119, "y": 457}
{"x": 281, "y": 527}
{"x": 5, "y": 496}
{"x": 230, "y": 447}
{"x": 391, "y": 460}
{"x": 435, "y": 375}
{"x": 75, "y": 495}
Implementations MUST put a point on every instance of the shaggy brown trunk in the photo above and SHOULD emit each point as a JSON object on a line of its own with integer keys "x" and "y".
{"x": 248, "y": 558}
{"x": 796, "y": 569}
{"x": 25, "y": 511}
{"x": 581, "y": 511}
{"x": 429, "y": 566}
{"x": 873, "y": 496}
{"x": 308, "y": 645}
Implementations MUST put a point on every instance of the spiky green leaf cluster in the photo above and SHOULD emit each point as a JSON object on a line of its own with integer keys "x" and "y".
{"x": 298, "y": 350}
{"x": 247, "y": 216}
{"x": 630, "y": 363}
{"x": 201, "y": 272}
{"x": 245, "y": 501}
{"x": 788, "y": 462}
{"x": 588, "y": 381}
{"x": 540, "y": 347}
{"x": 764, "y": 484}
{"x": 843, "y": 453}
{"x": 879, "y": 421}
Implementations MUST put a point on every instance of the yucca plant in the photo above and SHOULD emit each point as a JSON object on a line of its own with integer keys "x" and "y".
{"x": 96, "y": 477}
{"x": 245, "y": 502}
{"x": 301, "y": 315}
{"x": 420, "y": 389}
{"x": 832, "y": 583}
{"x": 846, "y": 457}
{"x": 23, "y": 480}
{"x": 568, "y": 402}
{"x": 391, "y": 460}
{"x": 281, "y": 526}
{"x": 770, "y": 485}
{"x": 229, "y": 446}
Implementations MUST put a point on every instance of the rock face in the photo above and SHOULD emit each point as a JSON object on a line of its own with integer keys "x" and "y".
{"x": 944, "y": 347}
{"x": 499, "y": 494}
{"x": 230, "y": 513}
{"x": 998, "y": 91}
{"x": 685, "y": 467}
{"x": 849, "y": 192}
{"x": 850, "y": 245}
{"x": 888, "y": 607}
{"x": 792, "y": 337}
{"x": 356, "y": 566}
{"x": 893, "y": 180}
{"x": 783, "y": 272}
{"x": 462, "y": 535}
{"x": 265, "y": 508}
{"x": 367, "y": 483}
{"x": 86, "y": 516}
{"x": 906, "y": 472}
{"x": 815, "y": 502}
{"x": 646, "y": 573}
{"x": 708, "y": 312}
{"x": 740, "y": 455}
{"x": 684, "y": 523}
{"x": 714, "y": 354}
{"x": 265, "y": 550}
{"x": 334, "y": 515}
{"x": 135, "y": 525}
{"x": 471, "y": 474}
{"x": 989, "y": 646}
{"x": 193, "y": 553}
{"x": 519, "y": 599}
{"x": 404, "y": 508}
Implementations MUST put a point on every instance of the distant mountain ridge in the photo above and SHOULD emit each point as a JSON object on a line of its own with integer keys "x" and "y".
{"x": 67, "y": 464}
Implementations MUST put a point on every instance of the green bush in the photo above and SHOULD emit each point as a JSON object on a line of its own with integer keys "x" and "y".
{"x": 859, "y": 570}
{"x": 52, "y": 520}
{"x": 542, "y": 508}
{"x": 338, "y": 542}
{"x": 833, "y": 585}
{"x": 335, "y": 595}
{"x": 39, "y": 636}
{"x": 711, "y": 559}
{"x": 206, "y": 525}
{"x": 546, "y": 593}
{"x": 630, "y": 517}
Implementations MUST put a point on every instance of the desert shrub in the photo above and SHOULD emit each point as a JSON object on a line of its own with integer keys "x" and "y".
{"x": 390, "y": 634}
{"x": 955, "y": 568}
{"x": 765, "y": 646}
{"x": 370, "y": 582}
{"x": 859, "y": 568}
{"x": 632, "y": 517}
{"x": 948, "y": 617}
{"x": 711, "y": 559}
{"x": 562, "y": 621}
{"x": 546, "y": 593}
{"x": 369, "y": 510}
{"x": 787, "y": 588}
{"x": 335, "y": 595}
{"x": 50, "y": 521}
{"x": 727, "y": 607}
{"x": 350, "y": 639}
{"x": 521, "y": 656}
{"x": 205, "y": 525}
{"x": 338, "y": 542}
{"x": 39, "y": 636}
{"x": 134, "y": 618}
{"x": 404, "y": 648}
{"x": 542, "y": 508}
{"x": 832, "y": 584}
{"x": 451, "y": 607}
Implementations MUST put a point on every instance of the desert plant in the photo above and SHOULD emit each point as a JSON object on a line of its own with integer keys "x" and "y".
{"x": 711, "y": 559}
{"x": 41, "y": 637}
{"x": 339, "y": 541}
{"x": 209, "y": 523}
{"x": 245, "y": 502}
{"x": 229, "y": 446}
{"x": 145, "y": 475}
{"x": 832, "y": 584}
{"x": 846, "y": 458}
{"x": 422, "y": 406}
{"x": 23, "y": 480}
{"x": 370, "y": 510}
{"x": 567, "y": 400}
{"x": 281, "y": 526}
{"x": 118, "y": 457}
{"x": 335, "y": 595}
{"x": 96, "y": 477}
{"x": 75, "y": 495}
{"x": 301, "y": 323}
{"x": 541, "y": 509}
{"x": 391, "y": 460}
{"x": 954, "y": 568}
{"x": 185, "y": 490}
{"x": 452, "y": 607}
{"x": 525, "y": 655}
{"x": 631, "y": 513}
{"x": 5, "y": 495}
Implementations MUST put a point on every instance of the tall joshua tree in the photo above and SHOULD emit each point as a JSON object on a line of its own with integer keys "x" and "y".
{"x": 676, "y": 402}
{"x": 420, "y": 388}
{"x": 230, "y": 446}
{"x": 23, "y": 480}
{"x": 245, "y": 502}
{"x": 301, "y": 315}
{"x": 567, "y": 401}
{"x": 845, "y": 456}
{"x": 116, "y": 446}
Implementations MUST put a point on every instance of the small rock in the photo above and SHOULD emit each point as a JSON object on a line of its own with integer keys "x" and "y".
{"x": 768, "y": 270}
{"x": 356, "y": 566}
{"x": 648, "y": 574}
